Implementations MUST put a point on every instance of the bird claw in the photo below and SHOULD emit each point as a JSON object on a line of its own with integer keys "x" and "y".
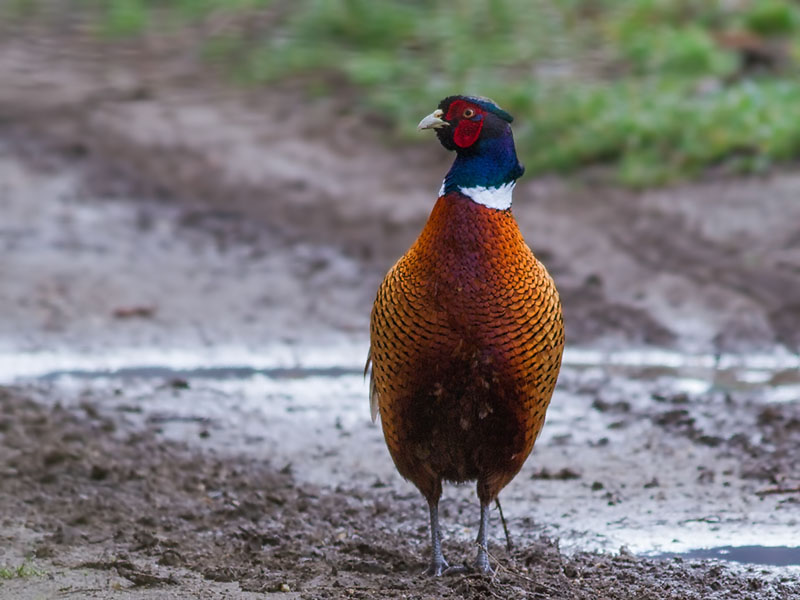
{"x": 481, "y": 564}
{"x": 483, "y": 568}
{"x": 442, "y": 569}
{"x": 437, "y": 568}
{"x": 456, "y": 570}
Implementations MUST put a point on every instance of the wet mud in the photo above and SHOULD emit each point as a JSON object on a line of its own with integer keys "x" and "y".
{"x": 187, "y": 276}
{"x": 124, "y": 511}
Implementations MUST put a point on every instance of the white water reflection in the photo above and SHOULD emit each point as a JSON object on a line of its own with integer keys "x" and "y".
{"x": 750, "y": 368}
{"x": 29, "y": 365}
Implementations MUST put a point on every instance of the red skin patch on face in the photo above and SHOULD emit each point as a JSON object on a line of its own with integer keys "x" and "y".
{"x": 467, "y": 130}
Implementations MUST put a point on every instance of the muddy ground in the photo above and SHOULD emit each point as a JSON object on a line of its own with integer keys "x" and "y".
{"x": 187, "y": 273}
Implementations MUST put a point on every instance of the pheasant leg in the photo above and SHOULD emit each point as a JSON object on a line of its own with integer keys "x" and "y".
{"x": 482, "y": 560}
{"x": 438, "y": 564}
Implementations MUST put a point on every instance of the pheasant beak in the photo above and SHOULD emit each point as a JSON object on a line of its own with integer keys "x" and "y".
{"x": 433, "y": 121}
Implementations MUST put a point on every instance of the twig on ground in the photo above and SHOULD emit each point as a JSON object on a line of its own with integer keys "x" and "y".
{"x": 514, "y": 573}
{"x": 777, "y": 490}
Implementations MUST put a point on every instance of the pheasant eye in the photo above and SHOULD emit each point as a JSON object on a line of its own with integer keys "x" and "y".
{"x": 469, "y": 113}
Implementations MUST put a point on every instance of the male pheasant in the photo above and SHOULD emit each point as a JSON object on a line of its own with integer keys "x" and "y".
{"x": 466, "y": 333}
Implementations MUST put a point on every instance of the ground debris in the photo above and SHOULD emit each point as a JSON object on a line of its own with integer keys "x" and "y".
{"x": 130, "y": 312}
{"x": 778, "y": 490}
{"x": 563, "y": 474}
{"x": 127, "y": 570}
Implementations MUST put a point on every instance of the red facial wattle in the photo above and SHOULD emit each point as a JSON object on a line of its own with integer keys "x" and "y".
{"x": 469, "y": 128}
{"x": 467, "y": 131}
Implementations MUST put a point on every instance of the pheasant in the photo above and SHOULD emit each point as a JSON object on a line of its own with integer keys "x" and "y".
{"x": 466, "y": 332}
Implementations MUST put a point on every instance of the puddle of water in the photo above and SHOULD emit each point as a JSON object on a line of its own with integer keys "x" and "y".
{"x": 712, "y": 536}
{"x": 696, "y": 372}
{"x": 158, "y": 362}
{"x": 775, "y": 556}
{"x": 221, "y": 372}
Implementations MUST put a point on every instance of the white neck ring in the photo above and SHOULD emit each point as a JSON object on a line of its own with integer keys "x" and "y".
{"x": 498, "y": 197}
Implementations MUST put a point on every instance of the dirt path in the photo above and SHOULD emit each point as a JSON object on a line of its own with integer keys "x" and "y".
{"x": 709, "y": 267}
{"x": 224, "y": 250}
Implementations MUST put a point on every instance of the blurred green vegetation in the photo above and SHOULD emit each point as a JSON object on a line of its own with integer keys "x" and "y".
{"x": 23, "y": 571}
{"x": 655, "y": 90}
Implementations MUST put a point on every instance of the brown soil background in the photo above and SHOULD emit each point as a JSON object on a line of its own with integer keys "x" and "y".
{"x": 108, "y": 505}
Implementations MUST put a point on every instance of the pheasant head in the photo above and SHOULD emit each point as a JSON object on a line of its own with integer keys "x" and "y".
{"x": 486, "y": 166}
